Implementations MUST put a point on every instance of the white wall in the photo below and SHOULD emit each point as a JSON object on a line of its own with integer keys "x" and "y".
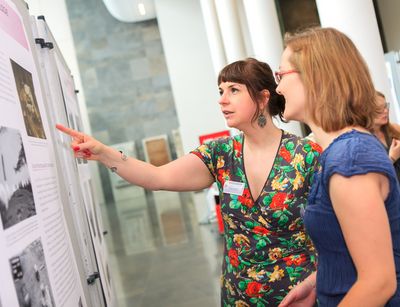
{"x": 193, "y": 80}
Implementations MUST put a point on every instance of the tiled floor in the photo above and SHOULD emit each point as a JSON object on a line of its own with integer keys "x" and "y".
{"x": 159, "y": 254}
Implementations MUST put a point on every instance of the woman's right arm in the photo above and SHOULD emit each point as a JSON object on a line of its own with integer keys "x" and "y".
{"x": 187, "y": 173}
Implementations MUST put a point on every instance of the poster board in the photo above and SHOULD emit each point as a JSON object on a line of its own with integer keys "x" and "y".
{"x": 71, "y": 198}
{"x": 47, "y": 250}
{"x": 37, "y": 263}
{"x": 85, "y": 215}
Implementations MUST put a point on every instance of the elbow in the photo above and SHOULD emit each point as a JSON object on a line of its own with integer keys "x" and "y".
{"x": 158, "y": 186}
{"x": 387, "y": 287}
{"x": 391, "y": 287}
{"x": 152, "y": 186}
{"x": 381, "y": 287}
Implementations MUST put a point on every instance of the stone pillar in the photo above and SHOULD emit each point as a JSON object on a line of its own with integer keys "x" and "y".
{"x": 266, "y": 38}
{"x": 265, "y": 32}
{"x": 213, "y": 35}
{"x": 229, "y": 23}
{"x": 357, "y": 20}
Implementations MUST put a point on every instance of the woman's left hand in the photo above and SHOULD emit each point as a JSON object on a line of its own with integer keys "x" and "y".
{"x": 302, "y": 295}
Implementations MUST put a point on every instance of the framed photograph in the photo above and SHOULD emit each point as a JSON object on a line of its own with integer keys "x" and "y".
{"x": 156, "y": 150}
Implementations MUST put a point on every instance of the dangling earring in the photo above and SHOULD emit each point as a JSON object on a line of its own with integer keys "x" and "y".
{"x": 261, "y": 120}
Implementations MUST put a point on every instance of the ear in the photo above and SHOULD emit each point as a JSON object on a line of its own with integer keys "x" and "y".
{"x": 265, "y": 99}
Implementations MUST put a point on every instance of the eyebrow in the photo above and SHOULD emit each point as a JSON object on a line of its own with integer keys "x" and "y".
{"x": 232, "y": 85}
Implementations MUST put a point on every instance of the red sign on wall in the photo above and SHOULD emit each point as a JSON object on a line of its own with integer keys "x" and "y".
{"x": 212, "y": 136}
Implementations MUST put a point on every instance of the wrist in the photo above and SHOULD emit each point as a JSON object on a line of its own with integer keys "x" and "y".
{"x": 112, "y": 158}
{"x": 310, "y": 283}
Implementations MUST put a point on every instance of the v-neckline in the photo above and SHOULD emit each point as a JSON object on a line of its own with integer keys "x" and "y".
{"x": 269, "y": 174}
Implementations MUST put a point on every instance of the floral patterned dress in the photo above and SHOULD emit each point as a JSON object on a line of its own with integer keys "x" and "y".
{"x": 266, "y": 249}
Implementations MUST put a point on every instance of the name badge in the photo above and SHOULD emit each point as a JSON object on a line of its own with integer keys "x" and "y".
{"x": 233, "y": 187}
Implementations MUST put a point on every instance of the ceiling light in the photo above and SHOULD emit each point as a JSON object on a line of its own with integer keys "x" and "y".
{"x": 142, "y": 10}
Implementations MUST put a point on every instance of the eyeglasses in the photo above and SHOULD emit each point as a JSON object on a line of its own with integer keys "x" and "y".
{"x": 280, "y": 74}
{"x": 385, "y": 107}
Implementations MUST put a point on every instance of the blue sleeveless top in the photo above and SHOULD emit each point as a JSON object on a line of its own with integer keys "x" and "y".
{"x": 352, "y": 153}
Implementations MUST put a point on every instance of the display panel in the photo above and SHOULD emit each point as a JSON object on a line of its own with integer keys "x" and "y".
{"x": 37, "y": 263}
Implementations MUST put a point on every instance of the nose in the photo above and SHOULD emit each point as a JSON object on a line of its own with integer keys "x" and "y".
{"x": 223, "y": 99}
{"x": 278, "y": 89}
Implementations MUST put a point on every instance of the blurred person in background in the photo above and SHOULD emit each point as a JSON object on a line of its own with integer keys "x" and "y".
{"x": 387, "y": 132}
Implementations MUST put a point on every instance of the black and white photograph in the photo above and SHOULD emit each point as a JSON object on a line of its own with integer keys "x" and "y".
{"x": 27, "y": 98}
{"x": 16, "y": 196}
{"x": 31, "y": 279}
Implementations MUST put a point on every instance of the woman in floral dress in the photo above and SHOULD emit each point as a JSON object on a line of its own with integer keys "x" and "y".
{"x": 263, "y": 175}
{"x": 266, "y": 248}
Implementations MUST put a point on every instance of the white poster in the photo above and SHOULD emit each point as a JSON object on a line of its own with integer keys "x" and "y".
{"x": 37, "y": 267}
{"x": 93, "y": 213}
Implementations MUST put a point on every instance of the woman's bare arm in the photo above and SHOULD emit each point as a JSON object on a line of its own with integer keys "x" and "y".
{"x": 358, "y": 202}
{"x": 187, "y": 173}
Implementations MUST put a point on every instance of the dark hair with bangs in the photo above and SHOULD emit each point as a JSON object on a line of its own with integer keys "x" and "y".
{"x": 257, "y": 76}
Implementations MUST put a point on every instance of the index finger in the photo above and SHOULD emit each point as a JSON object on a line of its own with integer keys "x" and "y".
{"x": 69, "y": 131}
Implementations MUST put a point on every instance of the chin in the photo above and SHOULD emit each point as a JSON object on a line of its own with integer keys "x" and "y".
{"x": 290, "y": 117}
{"x": 229, "y": 125}
{"x": 381, "y": 123}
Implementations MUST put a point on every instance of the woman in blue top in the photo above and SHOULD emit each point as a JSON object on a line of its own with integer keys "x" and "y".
{"x": 353, "y": 214}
